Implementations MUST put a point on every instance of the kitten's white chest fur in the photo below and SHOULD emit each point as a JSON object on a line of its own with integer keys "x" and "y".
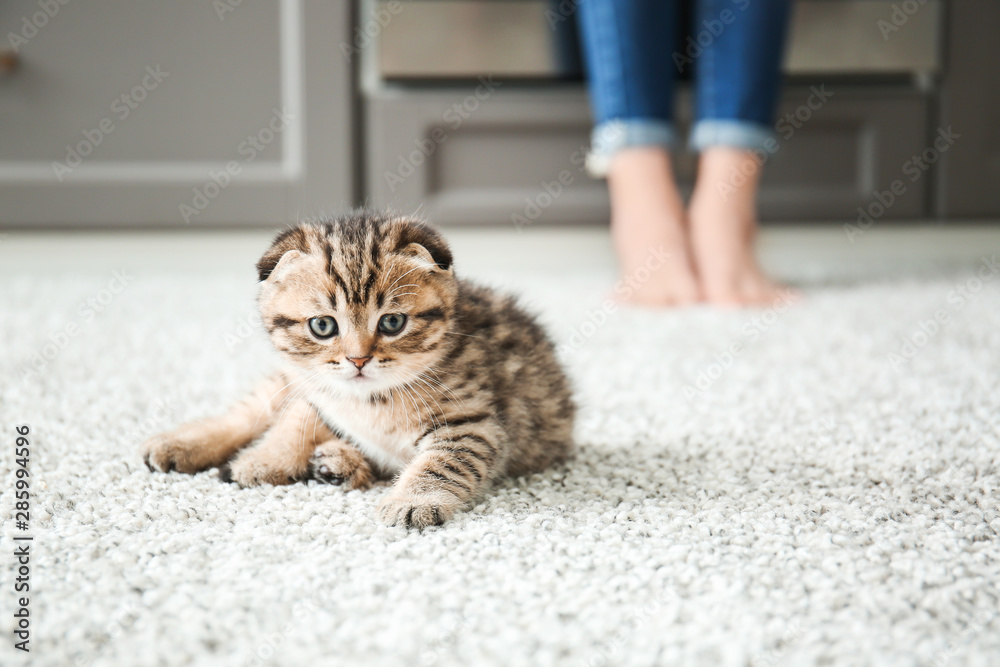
{"x": 374, "y": 427}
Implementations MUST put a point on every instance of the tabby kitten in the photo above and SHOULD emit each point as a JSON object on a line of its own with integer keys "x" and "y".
{"x": 394, "y": 367}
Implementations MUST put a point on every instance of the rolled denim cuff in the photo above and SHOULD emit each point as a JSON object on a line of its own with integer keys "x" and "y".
{"x": 611, "y": 136}
{"x": 731, "y": 133}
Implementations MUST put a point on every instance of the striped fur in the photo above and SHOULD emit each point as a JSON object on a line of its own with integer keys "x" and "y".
{"x": 469, "y": 391}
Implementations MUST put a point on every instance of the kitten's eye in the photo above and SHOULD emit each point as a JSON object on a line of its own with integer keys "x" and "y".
{"x": 392, "y": 323}
{"x": 323, "y": 327}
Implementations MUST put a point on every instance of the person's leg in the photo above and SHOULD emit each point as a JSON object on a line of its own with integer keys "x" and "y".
{"x": 738, "y": 78}
{"x": 628, "y": 46}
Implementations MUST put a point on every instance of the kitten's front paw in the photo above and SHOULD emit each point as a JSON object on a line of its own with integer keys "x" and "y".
{"x": 252, "y": 468}
{"x": 417, "y": 510}
{"x": 165, "y": 452}
{"x": 334, "y": 462}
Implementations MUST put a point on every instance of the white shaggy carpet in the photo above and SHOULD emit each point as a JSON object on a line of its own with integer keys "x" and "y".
{"x": 808, "y": 505}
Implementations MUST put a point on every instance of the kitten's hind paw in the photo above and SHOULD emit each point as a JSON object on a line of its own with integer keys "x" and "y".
{"x": 188, "y": 449}
{"x": 334, "y": 462}
{"x": 165, "y": 453}
{"x": 416, "y": 510}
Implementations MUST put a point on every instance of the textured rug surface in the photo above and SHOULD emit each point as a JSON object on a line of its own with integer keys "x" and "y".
{"x": 813, "y": 486}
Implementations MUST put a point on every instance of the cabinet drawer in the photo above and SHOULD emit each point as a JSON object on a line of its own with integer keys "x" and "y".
{"x": 516, "y": 155}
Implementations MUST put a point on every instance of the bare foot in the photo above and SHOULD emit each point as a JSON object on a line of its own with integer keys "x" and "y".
{"x": 647, "y": 224}
{"x": 723, "y": 214}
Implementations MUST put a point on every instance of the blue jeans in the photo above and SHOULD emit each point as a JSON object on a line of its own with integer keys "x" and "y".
{"x": 634, "y": 55}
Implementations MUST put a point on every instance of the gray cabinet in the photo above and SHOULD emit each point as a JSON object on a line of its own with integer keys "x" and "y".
{"x": 471, "y": 154}
{"x": 512, "y": 152}
{"x": 135, "y": 111}
{"x": 507, "y": 155}
{"x": 970, "y": 103}
{"x": 231, "y": 112}
{"x": 855, "y": 151}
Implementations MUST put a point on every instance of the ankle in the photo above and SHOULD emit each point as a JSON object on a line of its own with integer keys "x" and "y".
{"x": 640, "y": 163}
{"x": 728, "y": 174}
{"x": 642, "y": 179}
{"x": 726, "y": 189}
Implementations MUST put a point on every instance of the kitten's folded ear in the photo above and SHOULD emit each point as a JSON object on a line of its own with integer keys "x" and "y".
{"x": 420, "y": 240}
{"x": 285, "y": 242}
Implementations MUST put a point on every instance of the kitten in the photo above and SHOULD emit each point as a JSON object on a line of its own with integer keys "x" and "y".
{"x": 394, "y": 367}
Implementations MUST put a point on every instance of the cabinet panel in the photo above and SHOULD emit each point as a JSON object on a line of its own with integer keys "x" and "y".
{"x": 519, "y": 155}
{"x": 858, "y": 143}
{"x": 125, "y": 111}
{"x": 970, "y": 103}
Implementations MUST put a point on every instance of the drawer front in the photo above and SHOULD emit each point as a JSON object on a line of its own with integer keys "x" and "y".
{"x": 535, "y": 38}
{"x": 516, "y": 156}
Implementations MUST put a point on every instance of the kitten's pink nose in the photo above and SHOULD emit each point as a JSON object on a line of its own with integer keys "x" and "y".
{"x": 359, "y": 361}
